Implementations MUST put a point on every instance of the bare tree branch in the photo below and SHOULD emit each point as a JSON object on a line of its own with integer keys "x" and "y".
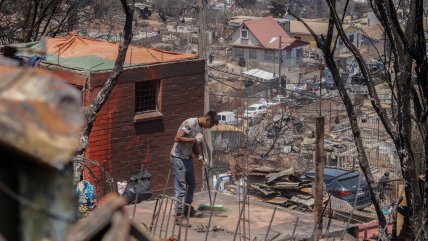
{"x": 102, "y": 96}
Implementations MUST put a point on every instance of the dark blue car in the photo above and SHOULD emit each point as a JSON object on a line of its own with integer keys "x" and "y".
{"x": 346, "y": 185}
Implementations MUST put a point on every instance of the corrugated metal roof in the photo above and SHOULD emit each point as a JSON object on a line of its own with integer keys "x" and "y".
{"x": 261, "y": 74}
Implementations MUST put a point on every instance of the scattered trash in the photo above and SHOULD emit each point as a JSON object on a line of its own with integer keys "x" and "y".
{"x": 121, "y": 187}
{"x": 140, "y": 183}
{"x": 87, "y": 197}
{"x": 217, "y": 228}
{"x": 201, "y": 228}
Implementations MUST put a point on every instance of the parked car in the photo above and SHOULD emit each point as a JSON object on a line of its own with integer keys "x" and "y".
{"x": 227, "y": 117}
{"x": 255, "y": 111}
{"x": 279, "y": 99}
{"x": 343, "y": 184}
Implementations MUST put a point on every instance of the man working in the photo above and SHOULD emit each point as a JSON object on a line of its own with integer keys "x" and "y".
{"x": 186, "y": 142}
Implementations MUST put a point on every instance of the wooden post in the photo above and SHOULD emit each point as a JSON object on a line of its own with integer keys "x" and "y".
{"x": 202, "y": 49}
{"x": 319, "y": 177}
{"x": 51, "y": 190}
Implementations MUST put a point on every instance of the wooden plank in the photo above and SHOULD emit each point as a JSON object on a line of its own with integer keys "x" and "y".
{"x": 263, "y": 169}
{"x": 119, "y": 229}
{"x": 263, "y": 191}
{"x": 52, "y": 192}
{"x": 31, "y": 119}
{"x": 277, "y": 200}
{"x": 140, "y": 233}
{"x": 285, "y": 186}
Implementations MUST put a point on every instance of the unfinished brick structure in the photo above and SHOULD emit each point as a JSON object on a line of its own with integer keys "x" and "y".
{"x": 120, "y": 137}
{"x": 138, "y": 122}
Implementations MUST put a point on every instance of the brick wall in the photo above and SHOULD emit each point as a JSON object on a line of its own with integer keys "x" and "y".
{"x": 120, "y": 145}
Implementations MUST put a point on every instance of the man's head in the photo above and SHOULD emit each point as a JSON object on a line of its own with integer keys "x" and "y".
{"x": 209, "y": 120}
{"x": 386, "y": 174}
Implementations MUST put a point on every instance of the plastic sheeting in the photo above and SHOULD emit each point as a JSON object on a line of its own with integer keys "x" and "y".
{"x": 90, "y": 54}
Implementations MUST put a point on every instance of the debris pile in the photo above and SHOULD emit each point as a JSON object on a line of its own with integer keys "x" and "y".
{"x": 284, "y": 188}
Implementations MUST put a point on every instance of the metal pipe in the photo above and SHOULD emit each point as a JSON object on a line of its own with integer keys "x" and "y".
{"x": 270, "y": 223}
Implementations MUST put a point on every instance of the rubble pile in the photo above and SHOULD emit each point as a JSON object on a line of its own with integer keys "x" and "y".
{"x": 281, "y": 187}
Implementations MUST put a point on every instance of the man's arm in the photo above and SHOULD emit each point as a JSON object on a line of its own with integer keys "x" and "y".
{"x": 182, "y": 137}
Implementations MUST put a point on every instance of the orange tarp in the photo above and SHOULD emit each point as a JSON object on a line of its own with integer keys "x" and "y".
{"x": 76, "y": 46}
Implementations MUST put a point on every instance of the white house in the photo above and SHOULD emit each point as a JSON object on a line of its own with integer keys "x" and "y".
{"x": 258, "y": 40}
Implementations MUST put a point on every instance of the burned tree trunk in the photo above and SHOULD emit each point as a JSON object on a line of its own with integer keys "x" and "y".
{"x": 405, "y": 48}
{"x": 98, "y": 102}
{"x": 325, "y": 44}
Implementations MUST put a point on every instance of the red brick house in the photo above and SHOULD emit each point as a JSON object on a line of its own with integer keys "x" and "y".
{"x": 155, "y": 93}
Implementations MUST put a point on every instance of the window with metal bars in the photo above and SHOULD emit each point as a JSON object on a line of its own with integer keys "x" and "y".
{"x": 146, "y": 96}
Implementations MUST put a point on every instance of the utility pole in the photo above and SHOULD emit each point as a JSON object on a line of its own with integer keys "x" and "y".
{"x": 319, "y": 178}
{"x": 279, "y": 65}
{"x": 202, "y": 49}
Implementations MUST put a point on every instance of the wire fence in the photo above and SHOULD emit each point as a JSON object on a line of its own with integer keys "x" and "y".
{"x": 353, "y": 205}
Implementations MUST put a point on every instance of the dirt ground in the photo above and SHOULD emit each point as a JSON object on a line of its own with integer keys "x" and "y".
{"x": 260, "y": 215}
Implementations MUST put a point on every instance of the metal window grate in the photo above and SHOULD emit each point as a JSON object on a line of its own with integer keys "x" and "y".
{"x": 146, "y": 93}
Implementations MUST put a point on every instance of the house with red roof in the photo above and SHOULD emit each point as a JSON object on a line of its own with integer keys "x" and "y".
{"x": 156, "y": 92}
{"x": 258, "y": 40}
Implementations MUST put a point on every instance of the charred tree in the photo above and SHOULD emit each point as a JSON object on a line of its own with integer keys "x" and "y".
{"x": 96, "y": 105}
{"x": 327, "y": 46}
{"x": 403, "y": 26}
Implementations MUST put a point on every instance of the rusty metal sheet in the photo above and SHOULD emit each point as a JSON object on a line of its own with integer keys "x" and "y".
{"x": 40, "y": 115}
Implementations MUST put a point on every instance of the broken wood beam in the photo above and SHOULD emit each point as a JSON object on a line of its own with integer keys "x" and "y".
{"x": 119, "y": 229}
{"x": 273, "y": 177}
{"x": 285, "y": 186}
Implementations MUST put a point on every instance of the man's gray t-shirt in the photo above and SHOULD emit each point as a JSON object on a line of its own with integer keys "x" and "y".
{"x": 191, "y": 128}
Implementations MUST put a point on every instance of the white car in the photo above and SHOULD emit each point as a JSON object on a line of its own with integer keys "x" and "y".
{"x": 279, "y": 99}
{"x": 255, "y": 111}
{"x": 227, "y": 117}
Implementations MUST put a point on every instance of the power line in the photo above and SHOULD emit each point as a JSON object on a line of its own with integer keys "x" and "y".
{"x": 291, "y": 91}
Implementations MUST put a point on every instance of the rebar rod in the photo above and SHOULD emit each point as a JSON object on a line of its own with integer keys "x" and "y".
{"x": 154, "y": 215}
{"x": 237, "y": 225}
{"x": 163, "y": 218}
{"x": 294, "y": 228}
{"x": 169, "y": 218}
{"x": 270, "y": 223}
{"x": 211, "y": 215}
